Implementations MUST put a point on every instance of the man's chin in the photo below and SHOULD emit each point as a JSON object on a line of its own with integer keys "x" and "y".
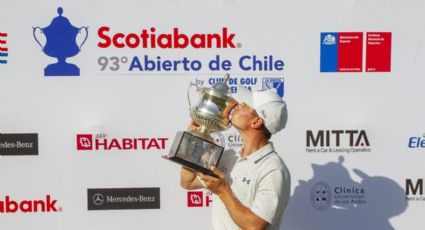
{"x": 233, "y": 125}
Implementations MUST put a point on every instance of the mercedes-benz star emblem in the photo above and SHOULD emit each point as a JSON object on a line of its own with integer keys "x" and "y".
{"x": 98, "y": 199}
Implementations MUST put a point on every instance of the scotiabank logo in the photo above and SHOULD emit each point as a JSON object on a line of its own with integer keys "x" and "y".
{"x": 8, "y": 205}
{"x": 102, "y": 142}
{"x": 197, "y": 199}
{"x": 174, "y": 40}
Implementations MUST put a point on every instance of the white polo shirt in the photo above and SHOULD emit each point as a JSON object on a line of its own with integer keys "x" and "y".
{"x": 260, "y": 182}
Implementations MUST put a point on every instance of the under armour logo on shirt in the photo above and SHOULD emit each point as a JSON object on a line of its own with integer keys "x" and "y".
{"x": 245, "y": 180}
{"x": 263, "y": 112}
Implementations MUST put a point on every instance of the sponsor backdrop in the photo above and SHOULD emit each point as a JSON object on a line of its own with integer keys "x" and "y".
{"x": 93, "y": 93}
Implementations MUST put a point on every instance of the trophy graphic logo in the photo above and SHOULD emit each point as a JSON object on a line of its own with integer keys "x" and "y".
{"x": 196, "y": 148}
{"x": 61, "y": 43}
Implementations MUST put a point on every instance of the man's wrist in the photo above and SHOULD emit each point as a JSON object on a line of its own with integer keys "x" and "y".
{"x": 225, "y": 193}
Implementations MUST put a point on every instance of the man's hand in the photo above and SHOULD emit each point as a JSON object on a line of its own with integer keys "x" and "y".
{"x": 240, "y": 214}
{"x": 217, "y": 185}
{"x": 188, "y": 179}
{"x": 193, "y": 126}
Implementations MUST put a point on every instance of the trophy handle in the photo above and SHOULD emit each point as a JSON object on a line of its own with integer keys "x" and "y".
{"x": 86, "y": 28}
{"x": 34, "y": 29}
{"x": 188, "y": 90}
{"x": 226, "y": 78}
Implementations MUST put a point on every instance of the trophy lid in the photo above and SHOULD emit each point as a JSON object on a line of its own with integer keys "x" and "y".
{"x": 60, "y": 23}
{"x": 222, "y": 89}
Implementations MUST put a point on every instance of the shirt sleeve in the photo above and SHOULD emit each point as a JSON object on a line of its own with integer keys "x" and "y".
{"x": 269, "y": 195}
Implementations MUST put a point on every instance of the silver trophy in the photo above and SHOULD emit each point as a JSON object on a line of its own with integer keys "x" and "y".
{"x": 196, "y": 148}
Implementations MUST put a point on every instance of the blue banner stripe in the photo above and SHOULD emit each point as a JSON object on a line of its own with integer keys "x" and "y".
{"x": 328, "y": 52}
{"x": 4, "y": 54}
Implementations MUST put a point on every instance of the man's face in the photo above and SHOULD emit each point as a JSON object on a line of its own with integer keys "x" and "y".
{"x": 243, "y": 116}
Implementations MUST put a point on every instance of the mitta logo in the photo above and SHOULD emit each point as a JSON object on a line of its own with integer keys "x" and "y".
{"x": 11, "y": 206}
{"x": 337, "y": 141}
{"x": 174, "y": 40}
{"x": 196, "y": 199}
{"x": 415, "y": 190}
{"x": 327, "y": 138}
{"x": 102, "y": 142}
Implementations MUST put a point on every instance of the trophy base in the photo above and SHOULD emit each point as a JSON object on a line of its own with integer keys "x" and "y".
{"x": 195, "y": 152}
{"x": 62, "y": 69}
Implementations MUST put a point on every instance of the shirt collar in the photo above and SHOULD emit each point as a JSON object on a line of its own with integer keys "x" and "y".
{"x": 258, "y": 155}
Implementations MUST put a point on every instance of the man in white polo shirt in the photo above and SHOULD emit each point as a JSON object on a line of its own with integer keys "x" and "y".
{"x": 254, "y": 183}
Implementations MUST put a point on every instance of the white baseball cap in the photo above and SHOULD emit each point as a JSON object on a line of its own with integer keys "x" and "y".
{"x": 268, "y": 104}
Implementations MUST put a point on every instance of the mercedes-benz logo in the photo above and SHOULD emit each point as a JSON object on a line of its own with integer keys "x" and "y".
{"x": 98, "y": 199}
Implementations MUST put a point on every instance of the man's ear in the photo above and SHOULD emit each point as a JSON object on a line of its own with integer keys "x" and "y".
{"x": 257, "y": 122}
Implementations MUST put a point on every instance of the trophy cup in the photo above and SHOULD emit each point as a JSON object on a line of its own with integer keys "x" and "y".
{"x": 61, "y": 44}
{"x": 196, "y": 148}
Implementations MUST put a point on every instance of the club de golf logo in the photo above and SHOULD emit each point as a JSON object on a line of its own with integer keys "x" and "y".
{"x": 61, "y": 44}
{"x": 3, "y": 48}
{"x": 274, "y": 83}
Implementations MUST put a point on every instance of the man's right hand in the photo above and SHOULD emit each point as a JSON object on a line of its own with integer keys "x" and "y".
{"x": 188, "y": 179}
{"x": 193, "y": 126}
